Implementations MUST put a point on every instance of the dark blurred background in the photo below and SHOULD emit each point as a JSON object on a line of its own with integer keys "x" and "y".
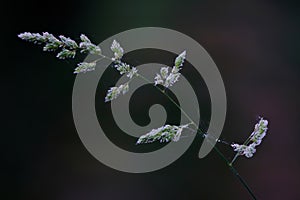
{"x": 255, "y": 45}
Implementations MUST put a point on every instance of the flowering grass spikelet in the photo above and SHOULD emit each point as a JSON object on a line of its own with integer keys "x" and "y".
{"x": 32, "y": 37}
{"x": 114, "y": 92}
{"x": 158, "y": 80}
{"x": 87, "y": 46}
{"x": 133, "y": 72}
{"x": 256, "y": 137}
{"x": 51, "y": 42}
{"x": 71, "y": 44}
{"x": 122, "y": 67}
{"x": 259, "y": 132}
{"x": 164, "y": 72}
{"x": 50, "y": 38}
{"x": 180, "y": 59}
{"x": 117, "y": 49}
{"x": 239, "y": 147}
{"x": 162, "y": 134}
{"x": 169, "y": 79}
{"x": 51, "y": 46}
{"x": 250, "y": 150}
{"x": 84, "y": 38}
{"x": 85, "y": 67}
{"x": 65, "y": 53}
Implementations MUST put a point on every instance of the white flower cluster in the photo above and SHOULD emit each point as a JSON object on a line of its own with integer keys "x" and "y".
{"x": 87, "y": 46}
{"x": 85, "y": 67}
{"x": 163, "y": 134}
{"x": 114, "y": 92}
{"x": 124, "y": 68}
{"x": 168, "y": 79}
{"x": 256, "y": 137}
{"x": 117, "y": 49}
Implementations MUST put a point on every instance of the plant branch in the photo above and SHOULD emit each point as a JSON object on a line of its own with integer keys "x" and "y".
{"x": 229, "y": 164}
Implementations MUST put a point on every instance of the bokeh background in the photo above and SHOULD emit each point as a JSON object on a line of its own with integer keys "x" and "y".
{"x": 255, "y": 45}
